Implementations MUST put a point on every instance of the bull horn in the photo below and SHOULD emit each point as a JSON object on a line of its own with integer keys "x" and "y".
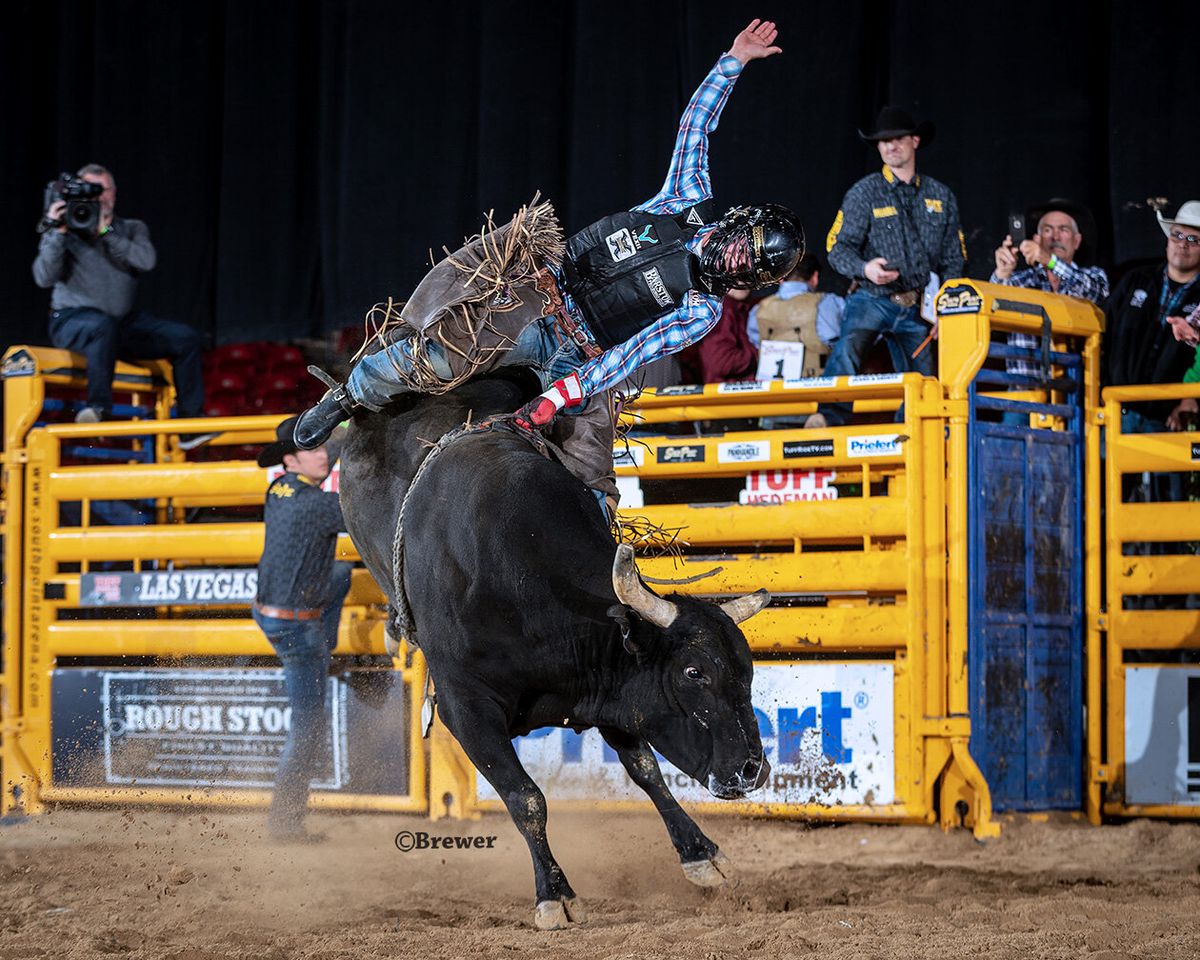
{"x": 743, "y": 608}
{"x": 630, "y": 591}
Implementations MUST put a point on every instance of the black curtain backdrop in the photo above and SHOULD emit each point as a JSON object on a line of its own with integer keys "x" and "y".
{"x": 296, "y": 161}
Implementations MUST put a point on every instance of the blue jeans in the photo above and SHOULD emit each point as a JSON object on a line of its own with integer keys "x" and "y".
{"x": 374, "y": 381}
{"x": 865, "y": 318}
{"x": 103, "y": 339}
{"x": 304, "y": 648}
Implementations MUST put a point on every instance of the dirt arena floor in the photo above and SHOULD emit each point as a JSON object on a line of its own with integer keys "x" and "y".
{"x": 203, "y": 886}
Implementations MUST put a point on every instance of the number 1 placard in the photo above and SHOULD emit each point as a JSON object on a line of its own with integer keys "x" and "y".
{"x": 780, "y": 360}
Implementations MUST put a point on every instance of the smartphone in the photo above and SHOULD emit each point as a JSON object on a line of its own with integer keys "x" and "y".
{"x": 1016, "y": 230}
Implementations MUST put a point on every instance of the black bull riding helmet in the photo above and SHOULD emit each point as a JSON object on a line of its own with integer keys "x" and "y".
{"x": 752, "y": 247}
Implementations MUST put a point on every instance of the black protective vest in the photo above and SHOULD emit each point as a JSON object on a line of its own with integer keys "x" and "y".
{"x": 627, "y": 270}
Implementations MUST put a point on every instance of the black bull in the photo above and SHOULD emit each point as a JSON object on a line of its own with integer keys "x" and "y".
{"x": 530, "y": 616}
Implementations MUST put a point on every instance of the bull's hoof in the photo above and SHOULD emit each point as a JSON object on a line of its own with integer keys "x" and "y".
{"x": 709, "y": 873}
{"x": 559, "y": 914}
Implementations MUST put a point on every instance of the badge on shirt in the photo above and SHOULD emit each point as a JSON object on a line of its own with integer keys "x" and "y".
{"x": 620, "y": 245}
{"x": 646, "y": 236}
{"x": 932, "y": 205}
{"x": 1138, "y": 298}
{"x": 831, "y": 237}
{"x": 658, "y": 289}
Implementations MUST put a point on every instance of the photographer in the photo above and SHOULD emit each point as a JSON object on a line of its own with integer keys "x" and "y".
{"x": 93, "y": 259}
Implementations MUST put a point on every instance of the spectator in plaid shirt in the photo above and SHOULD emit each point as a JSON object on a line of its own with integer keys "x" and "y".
{"x": 1051, "y": 258}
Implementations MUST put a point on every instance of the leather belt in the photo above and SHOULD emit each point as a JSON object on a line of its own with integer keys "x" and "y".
{"x": 547, "y": 283}
{"x": 287, "y": 613}
{"x": 907, "y": 298}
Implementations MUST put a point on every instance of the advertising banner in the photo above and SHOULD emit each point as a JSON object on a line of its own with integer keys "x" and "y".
{"x": 222, "y": 728}
{"x": 1162, "y": 735}
{"x": 827, "y": 729}
{"x": 169, "y": 587}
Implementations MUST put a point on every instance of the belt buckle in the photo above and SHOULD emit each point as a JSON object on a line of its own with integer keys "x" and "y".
{"x": 576, "y": 334}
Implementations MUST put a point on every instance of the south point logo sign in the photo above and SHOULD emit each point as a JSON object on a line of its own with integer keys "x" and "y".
{"x": 960, "y": 298}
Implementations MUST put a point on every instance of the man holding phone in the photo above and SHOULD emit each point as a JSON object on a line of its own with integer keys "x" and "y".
{"x": 894, "y": 229}
{"x": 1050, "y": 254}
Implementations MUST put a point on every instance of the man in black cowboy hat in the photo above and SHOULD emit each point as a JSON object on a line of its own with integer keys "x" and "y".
{"x": 894, "y": 229}
{"x": 299, "y": 604}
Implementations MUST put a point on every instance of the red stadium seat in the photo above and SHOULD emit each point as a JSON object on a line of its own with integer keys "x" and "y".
{"x": 275, "y": 403}
{"x": 236, "y": 352}
{"x": 218, "y": 407}
{"x": 281, "y": 383}
{"x": 227, "y": 381}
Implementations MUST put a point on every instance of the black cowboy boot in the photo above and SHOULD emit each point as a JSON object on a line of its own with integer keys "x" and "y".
{"x": 317, "y": 422}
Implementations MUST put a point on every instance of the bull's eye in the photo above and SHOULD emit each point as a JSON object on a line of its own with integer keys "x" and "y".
{"x": 695, "y": 674}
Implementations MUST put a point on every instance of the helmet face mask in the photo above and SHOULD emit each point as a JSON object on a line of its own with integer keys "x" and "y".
{"x": 751, "y": 247}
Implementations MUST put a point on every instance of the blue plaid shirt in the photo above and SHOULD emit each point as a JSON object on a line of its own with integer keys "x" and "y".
{"x": 1083, "y": 283}
{"x": 687, "y": 184}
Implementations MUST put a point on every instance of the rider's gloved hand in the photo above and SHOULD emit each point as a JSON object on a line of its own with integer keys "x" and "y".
{"x": 541, "y": 410}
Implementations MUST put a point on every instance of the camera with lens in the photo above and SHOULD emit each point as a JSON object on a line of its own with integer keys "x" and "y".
{"x": 83, "y": 203}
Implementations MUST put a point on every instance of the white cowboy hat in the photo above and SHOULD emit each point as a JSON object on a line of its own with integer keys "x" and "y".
{"x": 1188, "y": 216}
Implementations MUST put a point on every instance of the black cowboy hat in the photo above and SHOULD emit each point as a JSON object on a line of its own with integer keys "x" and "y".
{"x": 894, "y": 122}
{"x": 273, "y": 453}
{"x": 1077, "y": 211}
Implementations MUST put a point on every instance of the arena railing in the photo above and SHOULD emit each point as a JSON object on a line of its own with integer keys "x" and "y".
{"x": 1144, "y": 640}
{"x": 875, "y": 556}
{"x": 131, "y": 668}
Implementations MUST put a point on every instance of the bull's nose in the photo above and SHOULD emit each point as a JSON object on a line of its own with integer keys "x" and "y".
{"x": 756, "y": 771}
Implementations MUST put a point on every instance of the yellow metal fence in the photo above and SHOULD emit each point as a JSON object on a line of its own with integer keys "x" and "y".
{"x": 1144, "y": 642}
{"x": 53, "y": 538}
{"x": 878, "y": 575}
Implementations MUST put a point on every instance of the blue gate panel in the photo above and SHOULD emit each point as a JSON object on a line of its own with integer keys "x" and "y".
{"x": 1001, "y": 502}
{"x": 998, "y": 735}
{"x": 1026, "y": 631}
{"x": 1051, "y": 716}
{"x": 1053, "y": 507}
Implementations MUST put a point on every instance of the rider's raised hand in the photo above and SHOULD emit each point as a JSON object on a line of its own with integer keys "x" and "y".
{"x": 755, "y": 42}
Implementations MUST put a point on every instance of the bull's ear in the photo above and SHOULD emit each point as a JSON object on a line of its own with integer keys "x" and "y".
{"x": 620, "y": 613}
